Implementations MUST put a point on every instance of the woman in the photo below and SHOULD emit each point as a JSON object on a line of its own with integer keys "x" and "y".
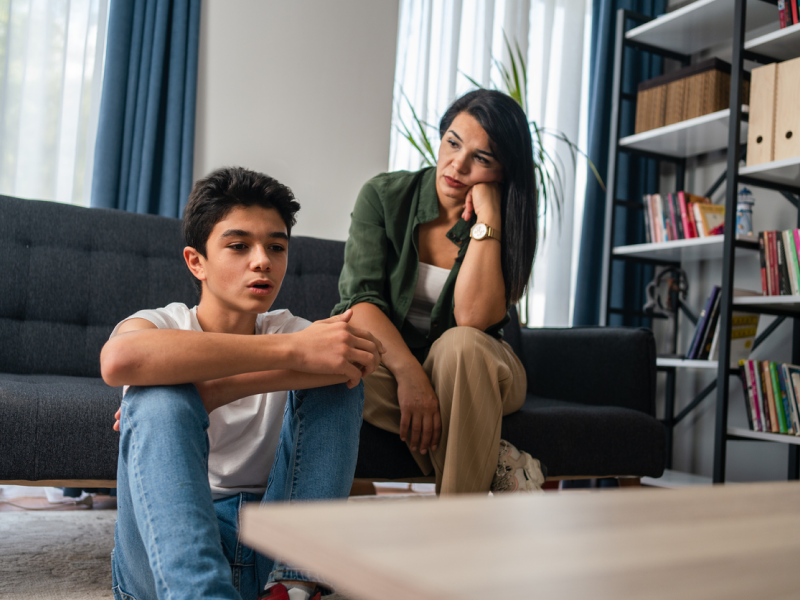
{"x": 433, "y": 261}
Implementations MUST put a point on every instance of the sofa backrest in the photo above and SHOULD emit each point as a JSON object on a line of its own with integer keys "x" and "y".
{"x": 68, "y": 275}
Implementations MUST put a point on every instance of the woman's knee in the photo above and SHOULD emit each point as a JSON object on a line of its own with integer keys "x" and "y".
{"x": 460, "y": 344}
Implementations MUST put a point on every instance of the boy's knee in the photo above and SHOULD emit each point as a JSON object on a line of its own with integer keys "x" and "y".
{"x": 166, "y": 404}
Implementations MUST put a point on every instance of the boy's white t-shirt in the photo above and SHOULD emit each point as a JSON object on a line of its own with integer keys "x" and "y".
{"x": 243, "y": 435}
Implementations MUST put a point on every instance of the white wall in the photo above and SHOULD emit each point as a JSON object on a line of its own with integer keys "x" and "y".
{"x": 300, "y": 90}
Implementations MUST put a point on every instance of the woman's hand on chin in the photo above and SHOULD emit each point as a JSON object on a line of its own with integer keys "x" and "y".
{"x": 419, "y": 411}
{"x": 483, "y": 199}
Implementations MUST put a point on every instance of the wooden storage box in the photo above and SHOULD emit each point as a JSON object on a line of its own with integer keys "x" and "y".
{"x": 691, "y": 92}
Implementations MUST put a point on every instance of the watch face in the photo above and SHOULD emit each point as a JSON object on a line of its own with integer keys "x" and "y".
{"x": 479, "y": 231}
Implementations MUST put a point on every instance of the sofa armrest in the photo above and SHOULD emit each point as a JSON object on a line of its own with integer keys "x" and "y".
{"x": 600, "y": 366}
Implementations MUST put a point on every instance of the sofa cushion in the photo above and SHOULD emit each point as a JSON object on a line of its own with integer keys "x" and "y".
{"x": 569, "y": 439}
{"x": 575, "y": 439}
{"x": 57, "y": 427}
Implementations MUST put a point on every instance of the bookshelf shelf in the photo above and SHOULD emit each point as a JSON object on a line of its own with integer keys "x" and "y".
{"x": 687, "y": 138}
{"x": 778, "y": 305}
{"x": 782, "y": 172}
{"x": 682, "y": 363}
{"x": 693, "y": 249}
{"x": 782, "y": 438}
{"x": 703, "y": 24}
{"x": 783, "y": 44}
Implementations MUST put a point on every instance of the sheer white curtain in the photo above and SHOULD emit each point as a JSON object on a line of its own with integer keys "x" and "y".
{"x": 441, "y": 42}
{"x": 51, "y": 69}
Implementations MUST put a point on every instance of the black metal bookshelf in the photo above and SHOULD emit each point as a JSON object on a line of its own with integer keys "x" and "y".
{"x": 725, "y": 20}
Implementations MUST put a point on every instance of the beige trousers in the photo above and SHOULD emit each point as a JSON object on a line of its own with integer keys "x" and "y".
{"x": 477, "y": 379}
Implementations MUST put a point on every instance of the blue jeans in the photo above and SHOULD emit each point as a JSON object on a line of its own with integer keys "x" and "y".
{"x": 171, "y": 539}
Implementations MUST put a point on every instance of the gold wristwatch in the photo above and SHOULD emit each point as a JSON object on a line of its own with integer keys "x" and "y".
{"x": 481, "y": 231}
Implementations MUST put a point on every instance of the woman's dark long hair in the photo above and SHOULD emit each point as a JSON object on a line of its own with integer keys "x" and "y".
{"x": 507, "y": 127}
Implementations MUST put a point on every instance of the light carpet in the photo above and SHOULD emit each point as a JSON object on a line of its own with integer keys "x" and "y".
{"x": 59, "y": 555}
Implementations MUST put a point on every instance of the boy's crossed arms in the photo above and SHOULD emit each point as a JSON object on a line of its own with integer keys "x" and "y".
{"x": 225, "y": 367}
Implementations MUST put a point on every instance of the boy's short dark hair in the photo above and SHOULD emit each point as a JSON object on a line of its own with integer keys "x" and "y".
{"x": 214, "y": 196}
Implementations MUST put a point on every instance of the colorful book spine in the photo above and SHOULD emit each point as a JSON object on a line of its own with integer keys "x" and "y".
{"x": 769, "y": 398}
{"x": 762, "y": 257}
{"x": 702, "y": 323}
{"x": 763, "y": 401}
{"x": 748, "y": 401}
{"x": 758, "y": 418}
{"x": 687, "y": 228}
{"x": 791, "y": 261}
{"x": 792, "y": 395}
{"x": 794, "y": 12}
{"x": 784, "y": 287}
{"x": 787, "y": 408}
{"x": 776, "y": 393}
{"x": 782, "y": 13}
{"x": 773, "y": 262}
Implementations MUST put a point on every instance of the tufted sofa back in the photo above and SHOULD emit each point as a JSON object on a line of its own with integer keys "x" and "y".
{"x": 69, "y": 274}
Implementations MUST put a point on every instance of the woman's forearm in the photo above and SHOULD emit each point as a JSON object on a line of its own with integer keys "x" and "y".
{"x": 398, "y": 358}
{"x": 480, "y": 292}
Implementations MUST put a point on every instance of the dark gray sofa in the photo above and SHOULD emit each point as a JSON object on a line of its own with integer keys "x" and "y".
{"x": 69, "y": 274}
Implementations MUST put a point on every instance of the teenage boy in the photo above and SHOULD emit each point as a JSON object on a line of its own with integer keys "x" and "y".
{"x": 206, "y": 424}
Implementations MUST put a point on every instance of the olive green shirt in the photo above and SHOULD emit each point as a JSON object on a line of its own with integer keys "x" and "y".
{"x": 381, "y": 257}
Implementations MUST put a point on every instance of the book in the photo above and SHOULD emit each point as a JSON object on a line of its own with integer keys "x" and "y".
{"x": 784, "y": 288}
{"x": 660, "y": 216}
{"x": 698, "y": 220}
{"x": 769, "y": 398}
{"x": 646, "y": 209}
{"x": 702, "y": 323}
{"x": 791, "y": 261}
{"x": 687, "y": 228}
{"x": 712, "y": 218}
{"x": 762, "y": 258}
{"x": 708, "y": 335}
{"x": 766, "y": 422}
{"x": 793, "y": 371}
{"x": 748, "y": 402}
{"x": 759, "y": 419}
{"x": 792, "y": 397}
{"x": 677, "y": 223}
{"x": 777, "y": 398}
{"x": 772, "y": 261}
{"x": 794, "y": 12}
{"x": 787, "y": 409}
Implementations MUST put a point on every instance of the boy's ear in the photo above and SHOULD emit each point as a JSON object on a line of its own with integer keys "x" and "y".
{"x": 196, "y": 262}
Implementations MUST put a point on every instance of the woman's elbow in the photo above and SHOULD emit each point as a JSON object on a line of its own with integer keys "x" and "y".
{"x": 467, "y": 317}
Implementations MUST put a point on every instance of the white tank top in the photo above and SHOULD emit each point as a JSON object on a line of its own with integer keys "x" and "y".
{"x": 429, "y": 287}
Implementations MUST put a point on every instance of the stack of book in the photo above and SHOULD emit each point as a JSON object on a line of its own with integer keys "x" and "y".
{"x": 780, "y": 264}
{"x": 681, "y": 216}
{"x": 788, "y": 13}
{"x": 705, "y": 342}
{"x": 771, "y": 396}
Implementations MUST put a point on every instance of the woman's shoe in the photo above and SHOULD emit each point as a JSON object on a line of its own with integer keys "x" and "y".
{"x": 517, "y": 471}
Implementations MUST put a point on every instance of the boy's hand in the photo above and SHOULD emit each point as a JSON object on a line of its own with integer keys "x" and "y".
{"x": 334, "y": 347}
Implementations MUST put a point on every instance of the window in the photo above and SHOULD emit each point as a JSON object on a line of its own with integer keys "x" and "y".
{"x": 51, "y": 70}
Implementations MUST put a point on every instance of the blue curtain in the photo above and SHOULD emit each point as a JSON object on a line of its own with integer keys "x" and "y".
{"x": 144, "y": 152}
{"x": 635, "y": 176}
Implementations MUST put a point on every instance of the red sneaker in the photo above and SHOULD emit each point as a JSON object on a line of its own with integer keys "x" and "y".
{"x": 279, "y": 592}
